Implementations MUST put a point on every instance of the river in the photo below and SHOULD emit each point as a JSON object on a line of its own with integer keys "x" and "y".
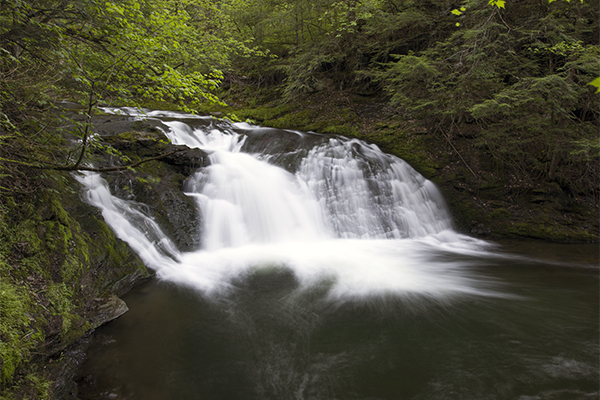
{"x": 330, "y": 270}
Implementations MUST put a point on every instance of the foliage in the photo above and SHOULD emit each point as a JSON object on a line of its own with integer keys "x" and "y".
{"x": 516, "y": 78}
{"x": 519, "y": 83}
{"x": 99, "y": 53}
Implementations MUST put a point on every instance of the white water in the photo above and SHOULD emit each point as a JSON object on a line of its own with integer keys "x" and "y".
{"x": 351, "y": 218}
{"x": 368, "y": 194}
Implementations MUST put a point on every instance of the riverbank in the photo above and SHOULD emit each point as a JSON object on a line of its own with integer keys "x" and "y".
{"x": 63, "y": 270}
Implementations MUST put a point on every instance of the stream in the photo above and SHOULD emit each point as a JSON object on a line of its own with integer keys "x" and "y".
{"x": 331, "y": 270}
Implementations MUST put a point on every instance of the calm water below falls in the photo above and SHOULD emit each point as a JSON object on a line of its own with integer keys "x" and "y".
{"x": 329, "y": 270}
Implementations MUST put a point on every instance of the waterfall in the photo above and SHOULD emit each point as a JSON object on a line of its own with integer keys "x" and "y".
{"x": 351, "y": 188}
{"x": 368, "y": 194}
{"x": 341, "y": 212}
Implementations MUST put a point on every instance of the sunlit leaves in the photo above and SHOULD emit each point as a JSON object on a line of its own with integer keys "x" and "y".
{"x": 497, "y": 3}
{"x": 596, "y": 84}
{"x": 106, "y": 52}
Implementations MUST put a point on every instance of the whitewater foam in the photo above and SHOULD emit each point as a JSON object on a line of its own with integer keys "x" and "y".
{"x": 360, "y": 221}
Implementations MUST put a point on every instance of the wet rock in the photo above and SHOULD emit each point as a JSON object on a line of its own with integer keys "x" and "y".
{"x": 187, "y": 161}
{"x": 108, "y": 309}
{"x": 118, "y": 124}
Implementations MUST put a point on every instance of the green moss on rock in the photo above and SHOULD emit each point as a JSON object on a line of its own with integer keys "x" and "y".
{"x": 51, "y": 270}
{"x": 14, "y": 306}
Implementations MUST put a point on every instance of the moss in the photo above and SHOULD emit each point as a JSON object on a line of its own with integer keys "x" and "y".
{"x": 25, "y": 239}
{"x": 264, "y": 114}
{"x": 344, "y": 130}
{"x": 119, "y": 266}
{"x": 32, "y": 386}
{"x": 132, "y": 136}
{"x": 50, "y": 272}
{"x": 38, "y": 386}
{"x": 546, "y": 230}
{"x": 465, "y": 213}
{"x": 411, "y": 148}
{"x": 57, "y": 212}
{"x": 14, "y": 305}
{"x": 303, "y": 119}
{"x": 158, "y": 105}
{"x": 57, "y": 237}
{"x": 499, "y": 214}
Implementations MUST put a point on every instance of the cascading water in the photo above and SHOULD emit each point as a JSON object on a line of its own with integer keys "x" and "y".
{"x": 346, "y": 213}
{"x": 368, "y": 194}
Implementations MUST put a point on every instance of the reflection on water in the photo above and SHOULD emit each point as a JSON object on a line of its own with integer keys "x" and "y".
{"x": 270, "y": 340}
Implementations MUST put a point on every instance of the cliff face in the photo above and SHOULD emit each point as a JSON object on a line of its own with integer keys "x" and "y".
{"x": 62, "y": 268}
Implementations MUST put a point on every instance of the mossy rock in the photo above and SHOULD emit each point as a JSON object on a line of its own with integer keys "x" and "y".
{"x": 115, "y": 125}
{"x": 265, "y": 113}
{"x": 56, "y": 257}
{"x": 302, "y": 120}
{"x": 550, "y": 231}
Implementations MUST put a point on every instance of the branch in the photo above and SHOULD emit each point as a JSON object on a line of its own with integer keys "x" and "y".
{"x": 88, "y": 122}
{"x": 91, "y": 169}
{"x": 114, "y": 169}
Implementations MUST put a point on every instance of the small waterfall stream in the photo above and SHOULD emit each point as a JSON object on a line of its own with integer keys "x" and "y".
{"x": 330, "y": 270}
{"x": 343, "y": 212}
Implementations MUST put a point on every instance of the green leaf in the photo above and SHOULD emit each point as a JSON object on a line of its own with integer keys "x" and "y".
{"x": 456, "y": 12}
{"x": 596, "y": 83}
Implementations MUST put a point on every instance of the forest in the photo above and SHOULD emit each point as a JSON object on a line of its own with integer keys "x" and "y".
{"x": 498, "y": 102}
{"x": 519, "y": 77}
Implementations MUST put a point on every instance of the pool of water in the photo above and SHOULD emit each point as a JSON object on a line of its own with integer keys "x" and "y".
{"x": 531, "y": 332}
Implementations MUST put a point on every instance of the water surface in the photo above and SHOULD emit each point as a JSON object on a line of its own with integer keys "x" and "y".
{"x": 270, "y": 340}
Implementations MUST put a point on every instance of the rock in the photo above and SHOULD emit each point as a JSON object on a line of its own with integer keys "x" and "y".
{"x": 118, "y": 124}
{"x": 109, "y": 308}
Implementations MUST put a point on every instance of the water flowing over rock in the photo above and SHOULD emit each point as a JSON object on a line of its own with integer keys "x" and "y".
{"x": 329, "y": 208}
{"x": 328, "y": 269}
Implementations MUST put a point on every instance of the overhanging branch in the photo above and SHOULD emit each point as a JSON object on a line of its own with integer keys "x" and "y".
{"x": 91, "y": 169}
{"x": 119, "y": 168}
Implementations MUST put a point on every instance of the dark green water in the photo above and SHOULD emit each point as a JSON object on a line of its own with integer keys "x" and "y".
{"x": 268, "y": 340}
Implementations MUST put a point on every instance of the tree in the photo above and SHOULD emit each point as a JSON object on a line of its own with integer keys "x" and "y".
{"x": 100, "y": 52}
{"x": 515, "y": 77}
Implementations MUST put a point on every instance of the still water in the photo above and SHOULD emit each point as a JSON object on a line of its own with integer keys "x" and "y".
{"x": 330, "y": 270}
{"x": 269, "y": 340}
